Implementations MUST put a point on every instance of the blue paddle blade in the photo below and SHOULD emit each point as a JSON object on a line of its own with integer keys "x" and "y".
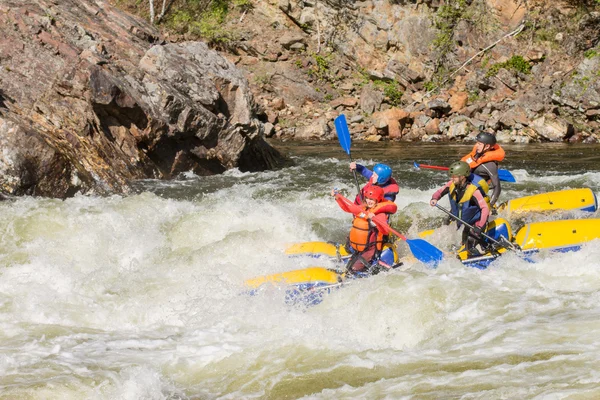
{"x": 343, "y": 134}
{"x": 506, "y": 176}
{"x": 425, "y": 251}
{"x": 416, "y": 165}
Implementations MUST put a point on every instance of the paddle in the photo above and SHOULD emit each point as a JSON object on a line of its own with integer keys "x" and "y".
{"x": 343, "y": 134}
{"x": 421, "y": 249}
{"x": 505, "y": 243}
{"x": 503, "y": 174}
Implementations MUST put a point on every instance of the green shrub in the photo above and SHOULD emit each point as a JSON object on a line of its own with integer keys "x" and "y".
{"x": 321, "y": 68}
{"x": 429, "y": 86}
{"x": 473, "y": 96}
{"x": 392, "y": 92}
{"x": 202, "y": 20}
{"x": 515, "y": 63}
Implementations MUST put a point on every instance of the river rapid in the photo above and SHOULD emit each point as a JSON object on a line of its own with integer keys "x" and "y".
{"x": 141, "y": 296}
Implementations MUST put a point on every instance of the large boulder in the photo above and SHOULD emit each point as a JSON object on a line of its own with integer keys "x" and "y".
{"x": 552, "y": 128}
{"x": 91, "y": 100}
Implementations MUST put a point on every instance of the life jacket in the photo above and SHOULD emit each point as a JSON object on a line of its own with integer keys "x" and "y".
{"x": 495, "y": 153}
{"x": 362, "y": 235}
{"x": 482, "y": 185}
{"x": 465, "y": 207}
{"x": 390, "y": 190}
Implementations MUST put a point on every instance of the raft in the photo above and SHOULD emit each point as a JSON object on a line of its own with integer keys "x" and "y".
{"x": 308, "y": 285}
{"x": 337, "y": 251}
{"x": 563, "y": 200}
{"x": 557, "y": 236}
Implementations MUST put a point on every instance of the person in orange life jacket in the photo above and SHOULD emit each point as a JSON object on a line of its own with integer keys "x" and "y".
{"x": 365, "y": 242}
{"x": 483, "y": 161}
{"x": 467, "y": 202}
{"x": 380, "y": 176}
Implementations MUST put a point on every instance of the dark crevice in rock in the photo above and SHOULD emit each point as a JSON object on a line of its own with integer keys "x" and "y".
{"x": 173, "y": 156}
{"x": 112, "y": 116}
{"x": 259, "y": 150}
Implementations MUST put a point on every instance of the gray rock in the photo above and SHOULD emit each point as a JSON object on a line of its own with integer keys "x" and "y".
{"x": 458, "y": 130}
{"x": 440, "y": 106}
{"x": 319, "y": 129}
{"x": 289, "y": 39}
{"x": 370, "y": 99}
{"x": 414, "y": 33}
{"x": 269, "y": 129}
{"x": 582, "y": 89}
{"x": 356, "y": 119}
{"x": 552, "y": 128}
{"x": 95, "y": 112}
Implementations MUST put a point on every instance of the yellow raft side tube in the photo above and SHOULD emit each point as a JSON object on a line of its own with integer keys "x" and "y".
{"x": 571, "y": 199}
{"x": 499, "y": 224}
{"x": 300, "y": 276}
{"x": 557, "y": 234}
{"x": 321, "y": 248}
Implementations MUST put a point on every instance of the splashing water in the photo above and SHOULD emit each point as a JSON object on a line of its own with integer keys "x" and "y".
{"x": 141, "y": 297}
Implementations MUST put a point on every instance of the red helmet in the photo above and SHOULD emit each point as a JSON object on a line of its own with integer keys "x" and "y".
{"x": 375, "y": 193}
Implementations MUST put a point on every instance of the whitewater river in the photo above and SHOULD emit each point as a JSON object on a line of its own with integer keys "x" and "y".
{"x": 141, "y": 296}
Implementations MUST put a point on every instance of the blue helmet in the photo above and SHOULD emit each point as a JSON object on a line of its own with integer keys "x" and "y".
{"x": 384, "y": 173}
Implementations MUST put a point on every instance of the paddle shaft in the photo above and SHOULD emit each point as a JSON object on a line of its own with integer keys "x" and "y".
{"x": 432, "y": 167}
{"x": 469, "y": 225}
{"x": 503, "y": 174}
{"x": 362, "y": 200}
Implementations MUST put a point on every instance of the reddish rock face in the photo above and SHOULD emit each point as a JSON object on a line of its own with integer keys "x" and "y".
{"x": 90, "y": 100}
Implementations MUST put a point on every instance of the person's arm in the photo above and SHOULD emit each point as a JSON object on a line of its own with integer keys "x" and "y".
{"x": 345, "y": 204}
{"x": 485, "y": 210}
{"x": 364, "y": 171}
{"x": 490, "y": 169}
{"x": 441, "y": 192}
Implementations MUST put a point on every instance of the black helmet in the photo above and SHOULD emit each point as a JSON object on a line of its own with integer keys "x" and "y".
{"x": 486, "y": 138}
{"x": 459, "y": 168}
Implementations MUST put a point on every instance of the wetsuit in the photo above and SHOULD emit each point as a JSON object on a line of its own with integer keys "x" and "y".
{"x": 486, "y": 166}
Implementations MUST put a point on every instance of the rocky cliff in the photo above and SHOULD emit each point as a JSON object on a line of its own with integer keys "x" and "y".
{"x": 91, "y": 99}
{"x": 429, "y": 70}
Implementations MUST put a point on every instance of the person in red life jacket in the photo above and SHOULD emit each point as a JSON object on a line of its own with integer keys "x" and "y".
{"x": 365, "y": 242}
{"x": 483, "y": 161}
{"x": 467, "y": 202}
{"x": 380, "y": 176}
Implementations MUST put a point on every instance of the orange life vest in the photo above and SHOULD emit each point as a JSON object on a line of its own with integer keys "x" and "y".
{"x": 363, "y": 236}
{"x": 495, "y": 153}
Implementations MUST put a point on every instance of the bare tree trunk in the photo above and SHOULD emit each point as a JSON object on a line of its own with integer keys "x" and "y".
{"x": 162, "y": 11}
{"x": 151, "y": 11}
{"x": 318, "y": 28}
